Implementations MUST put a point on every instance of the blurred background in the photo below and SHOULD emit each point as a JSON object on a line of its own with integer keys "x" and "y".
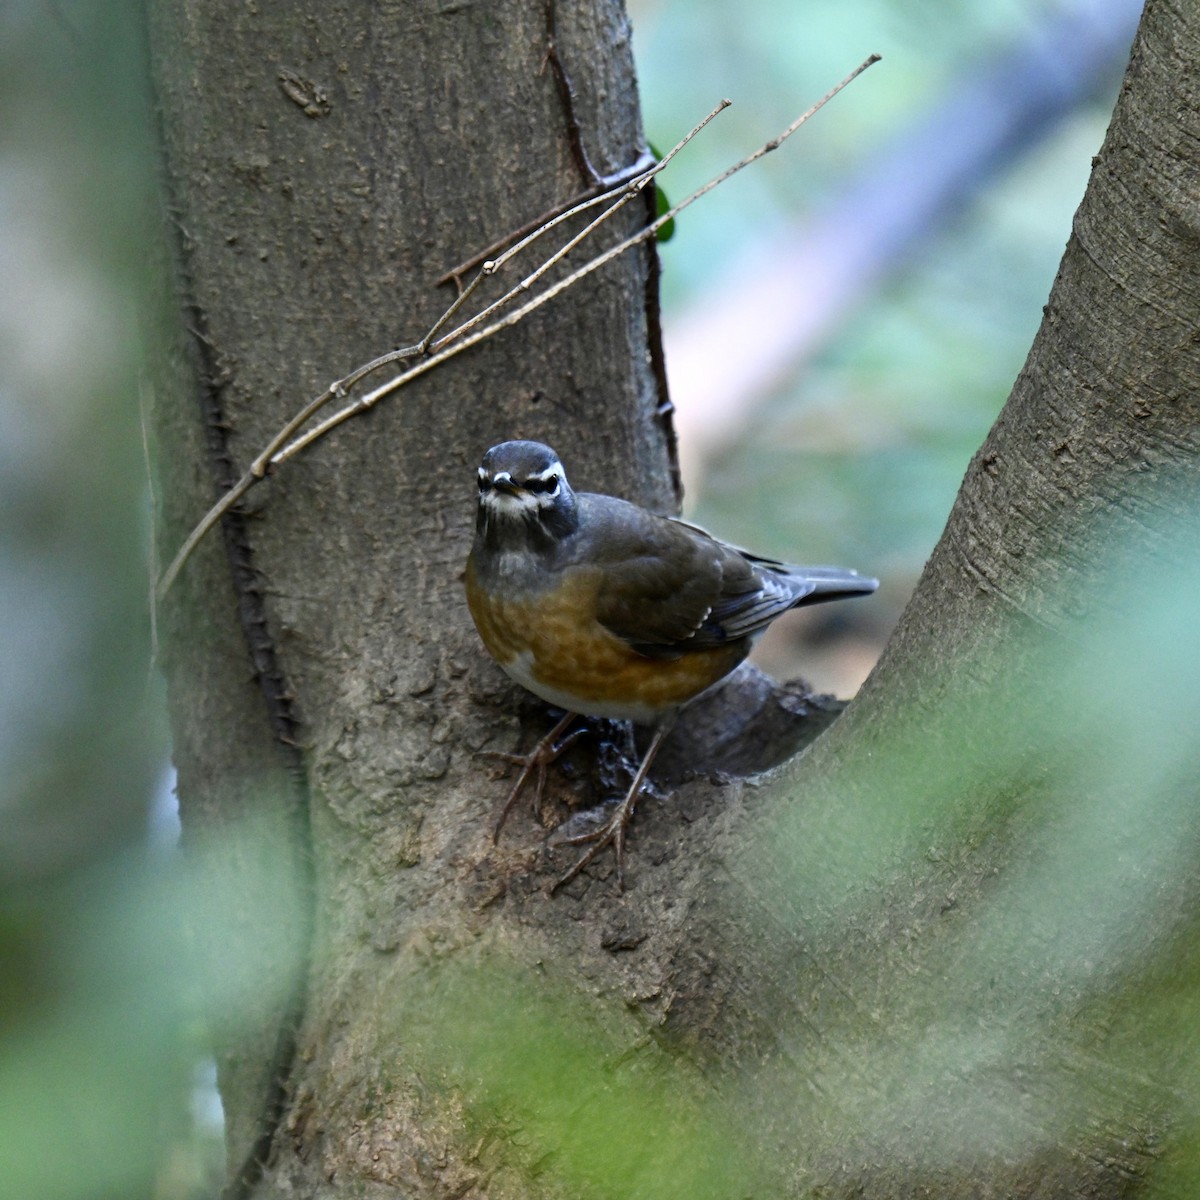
{"x": 843, "y": 322}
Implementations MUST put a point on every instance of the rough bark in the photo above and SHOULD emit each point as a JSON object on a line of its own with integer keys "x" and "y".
{"x": 325, "y": 166}
{"x": 722, "y": 1017}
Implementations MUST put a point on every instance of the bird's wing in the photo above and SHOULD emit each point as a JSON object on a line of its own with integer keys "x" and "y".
{"x": 744, "y": 615}
{"x": 666, "y": 587}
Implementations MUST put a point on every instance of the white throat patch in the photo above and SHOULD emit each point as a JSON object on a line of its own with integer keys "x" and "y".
{"x": 513, "y": 507}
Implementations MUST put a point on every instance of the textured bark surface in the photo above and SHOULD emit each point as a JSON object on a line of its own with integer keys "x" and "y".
{"x": 325, "y": 167}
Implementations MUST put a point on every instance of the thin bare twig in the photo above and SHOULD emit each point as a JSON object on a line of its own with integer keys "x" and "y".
{"x": 631, "y": 188}
{"x": 270, "y": 457}
{"x": 280, "y": 449}
{"x": 262, "y": 463}
{"x": 589, "y": 195}
{"x": 372, "y": 398}
{"x": 443, "y": 350}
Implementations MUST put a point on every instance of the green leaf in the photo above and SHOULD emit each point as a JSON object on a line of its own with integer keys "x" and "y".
{"x": 662, "y": 204}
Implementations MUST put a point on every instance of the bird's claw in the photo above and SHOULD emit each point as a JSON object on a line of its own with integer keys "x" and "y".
{"x": 611, "y": 833}
{"x": 547, "y": 750}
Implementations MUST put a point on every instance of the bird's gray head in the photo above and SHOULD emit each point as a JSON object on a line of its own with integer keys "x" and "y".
{"x": 524, "y": 494}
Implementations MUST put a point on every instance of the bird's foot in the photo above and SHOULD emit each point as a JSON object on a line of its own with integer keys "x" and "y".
{"x": 548, "y": 749}
{"x": 612, "y": 832}
{"x": 598, "y": 838}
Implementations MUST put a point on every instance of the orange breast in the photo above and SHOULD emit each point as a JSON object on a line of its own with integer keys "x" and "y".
{"x": 581, "y": 665}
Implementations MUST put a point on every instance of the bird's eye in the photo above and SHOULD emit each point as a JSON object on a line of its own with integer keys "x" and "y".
{"x": 543, "y": 487}
{"x": 484, "y": 482}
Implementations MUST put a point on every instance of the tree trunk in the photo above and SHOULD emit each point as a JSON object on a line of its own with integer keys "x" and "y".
{"x": 325, "y": 167}
{"x": 791, "y": 995}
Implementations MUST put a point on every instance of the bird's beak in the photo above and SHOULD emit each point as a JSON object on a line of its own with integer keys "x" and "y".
{"x": 504, "y": 482}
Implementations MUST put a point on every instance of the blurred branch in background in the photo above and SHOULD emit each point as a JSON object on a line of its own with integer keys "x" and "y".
{"x": 834, "y": 372}
{"x": 753, "y": 325}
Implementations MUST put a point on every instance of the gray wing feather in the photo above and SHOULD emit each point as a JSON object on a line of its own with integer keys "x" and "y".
{"x": 669, "y": 586}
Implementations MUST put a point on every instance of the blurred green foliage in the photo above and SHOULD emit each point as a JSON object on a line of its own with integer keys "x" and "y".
{"x": 96, "y": 1066}
{"x": 573, "y": 1093}
{"x": 94, "y": 1070}
{"x": 1031, "y": 847}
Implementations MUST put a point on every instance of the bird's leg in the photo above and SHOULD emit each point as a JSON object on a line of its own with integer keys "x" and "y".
{"x": 612, "y": 832}
{"x": 538, "y": 759}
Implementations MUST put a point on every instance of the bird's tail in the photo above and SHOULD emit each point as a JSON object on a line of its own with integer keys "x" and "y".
{"x": 819, "y": 584}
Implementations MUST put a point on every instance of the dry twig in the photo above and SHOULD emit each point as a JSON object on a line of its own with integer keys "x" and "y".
{"x": 433, "y": 350}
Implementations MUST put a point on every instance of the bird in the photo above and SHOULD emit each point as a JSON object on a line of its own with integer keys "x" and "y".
{"x": 602, "y": 608}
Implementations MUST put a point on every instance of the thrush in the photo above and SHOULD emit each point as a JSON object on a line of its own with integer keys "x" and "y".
{"x": 604, "y": 609}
